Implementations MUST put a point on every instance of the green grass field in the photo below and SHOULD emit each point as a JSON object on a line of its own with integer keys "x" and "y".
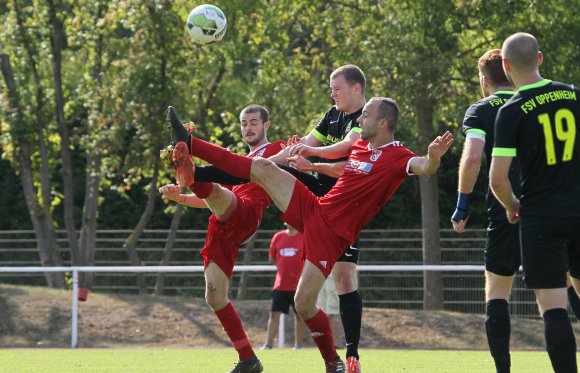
{"x": 275, "y": 361}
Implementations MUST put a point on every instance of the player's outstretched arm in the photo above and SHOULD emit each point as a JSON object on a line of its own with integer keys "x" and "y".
{"x": 429, "y": 164}
{"x": 335, "y": 151}
{"x": 328, "y": 169}
{"x": 469, "y": 166}
{"x": 173, "y": 193}
{"x": 502, "y": 188}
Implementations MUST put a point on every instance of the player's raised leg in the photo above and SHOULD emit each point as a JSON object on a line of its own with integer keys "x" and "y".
{"x": 278, "y": 183}
{"x": 316, "y": 320}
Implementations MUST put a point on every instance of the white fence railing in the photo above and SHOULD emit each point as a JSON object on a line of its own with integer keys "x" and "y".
{"x": 241, "y": 268}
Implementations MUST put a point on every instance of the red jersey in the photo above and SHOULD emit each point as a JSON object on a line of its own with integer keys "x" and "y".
{"x": 369, "y": 180}
{"x": 289, "y": 254}
{"x": 253, "y": 190}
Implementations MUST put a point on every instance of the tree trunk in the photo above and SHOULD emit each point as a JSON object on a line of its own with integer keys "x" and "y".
{"x": 45, "y": 237}
{"x": 93, "y": 176}
{"x": 89, "y": 222}
{"x": 245, "y": 277}
{"x": 131, "y": 241}
{"x": 160, "y": 283}
{"x": 432, "y": 281}
{"x": 67, "y": 176}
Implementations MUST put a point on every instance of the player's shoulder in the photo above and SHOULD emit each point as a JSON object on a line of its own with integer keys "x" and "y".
{"x": 278, "y": 144}
{"x": 278, "y": 235}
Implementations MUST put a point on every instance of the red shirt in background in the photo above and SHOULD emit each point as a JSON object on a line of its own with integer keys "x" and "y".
{"x": 288, "y": 252}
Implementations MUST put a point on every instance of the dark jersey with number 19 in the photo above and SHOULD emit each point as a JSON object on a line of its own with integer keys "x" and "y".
{"x": 479, "y": 120}
{"x": 540, "y": 125}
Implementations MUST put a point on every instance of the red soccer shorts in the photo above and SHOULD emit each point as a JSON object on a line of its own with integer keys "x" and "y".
{"x": 223, "y": 240}
{"x": 322, "y": 246}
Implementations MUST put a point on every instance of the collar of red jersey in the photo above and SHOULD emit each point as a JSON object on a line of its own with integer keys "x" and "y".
{"x": 393, "y": 143}
{"x": 259, "y": 148}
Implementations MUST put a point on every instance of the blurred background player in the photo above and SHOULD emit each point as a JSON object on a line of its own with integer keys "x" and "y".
{"x": 539, "y": 126}
{"x": 287, "y": 253}
{"x": 328, "y": 301}
{"x": 237, "y": 213}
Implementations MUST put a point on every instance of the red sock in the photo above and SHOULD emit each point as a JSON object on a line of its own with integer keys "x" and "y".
{"x": 232, "y": 324}
{"x": 233, "y": 164}
{"x": 321, "y": 333}
{"x": 201, "y": 189}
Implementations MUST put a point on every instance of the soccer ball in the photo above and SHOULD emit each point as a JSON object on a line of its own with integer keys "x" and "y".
{"x": 206, "y": 24}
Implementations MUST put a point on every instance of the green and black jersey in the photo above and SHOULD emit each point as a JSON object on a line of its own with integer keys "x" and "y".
{"x": 540, "y": 124}
{"x": 479, "y": 123}
{"x": 331, "y": 129}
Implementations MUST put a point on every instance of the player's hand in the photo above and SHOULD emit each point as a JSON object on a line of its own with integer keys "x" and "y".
{"x": 300, "y": 163}
{"x": 459, "y": 226}
{"x": 440, "y": 145}
{"x": 170, "y": 191}
{"x": 302, "y": 149}
{"x": 295, "y": 139}
{"x": 513, "y": 211}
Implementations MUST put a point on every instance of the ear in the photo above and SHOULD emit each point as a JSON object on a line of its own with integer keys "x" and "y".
{"x": 540, "y": 58}
{"x": 484, "y": 81}
{"x": 267, "y": 125}
{"x": 506, "y": 65}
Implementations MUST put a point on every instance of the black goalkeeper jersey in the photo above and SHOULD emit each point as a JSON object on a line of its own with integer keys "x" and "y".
{"x": 540, "y": 124}
{"x": 331, "y": 129}
{"x": 480, "y": 119}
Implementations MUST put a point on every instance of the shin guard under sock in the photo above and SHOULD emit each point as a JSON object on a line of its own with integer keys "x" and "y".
{"x": 351, "y": 315}
{"x": 321, "y": 333}
{"x": 232, "y": 325}
{"x": 234, "y": 164}
{"x": 560, "y": 341}
{"x": 498, "y": 330}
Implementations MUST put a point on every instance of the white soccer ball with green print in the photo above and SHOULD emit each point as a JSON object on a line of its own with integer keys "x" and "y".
{"x": 206, "y": 24}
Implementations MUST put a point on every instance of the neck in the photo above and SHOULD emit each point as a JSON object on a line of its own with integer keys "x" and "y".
{"x": 290, "y": 232}
{"x": 525, "y": 79}
{"x": 382, "y": 140}
{"x": 505, "y": 87}
{"x": 258, "y": 145}
{"x": 359, "y": 104}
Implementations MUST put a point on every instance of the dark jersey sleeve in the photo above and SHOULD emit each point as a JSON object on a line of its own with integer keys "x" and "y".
{"x": 472, "y": 120}
{"x": 322, "y": 128}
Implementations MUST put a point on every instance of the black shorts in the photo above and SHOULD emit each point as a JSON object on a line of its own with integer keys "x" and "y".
{"x": 350, "y": 255}
{"x": 502, "y": 249}
{"x": 550, "y": 247}
{"x": 282, "y": 300}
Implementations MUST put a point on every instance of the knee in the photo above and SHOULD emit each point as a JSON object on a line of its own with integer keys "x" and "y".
{"x": 301, "y": 306}
{"x": 345, "y": 283}
{"x": 261, "y": 167}
{"x": 216, "y": 301}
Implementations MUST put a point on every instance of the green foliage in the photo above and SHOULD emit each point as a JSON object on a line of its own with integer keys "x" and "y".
{"x": 125, "y": 61}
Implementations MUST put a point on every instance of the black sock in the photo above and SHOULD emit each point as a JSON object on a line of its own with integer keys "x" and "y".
{"x": 574, "y": 301}
{"x": 351, "y": 315}
{"x": 498, "y": 330}
{"x": 560, "y": 340}
{"x": 212, "y": 174}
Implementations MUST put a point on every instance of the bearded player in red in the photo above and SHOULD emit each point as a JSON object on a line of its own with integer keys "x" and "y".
{"x": 376, "y": 167}
{"x": 237, "y": 213}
